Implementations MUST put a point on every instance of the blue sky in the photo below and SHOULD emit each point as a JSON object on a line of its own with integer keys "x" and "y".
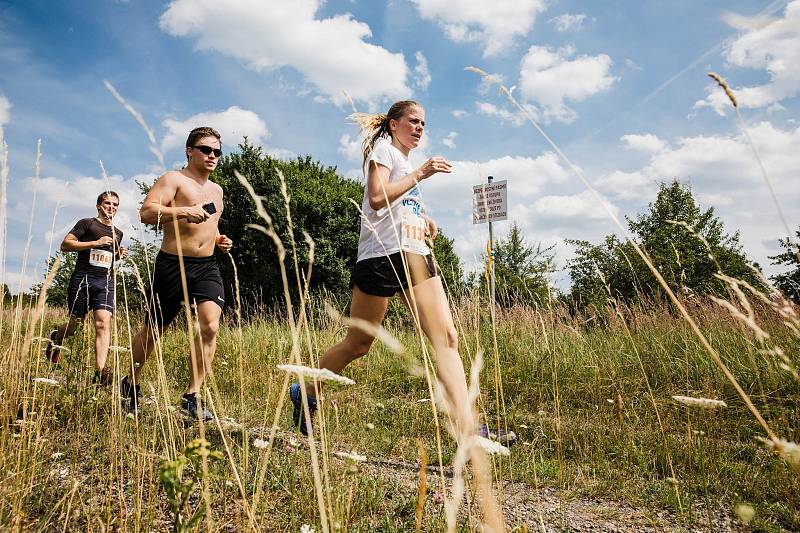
{"x": 620, "y": 86}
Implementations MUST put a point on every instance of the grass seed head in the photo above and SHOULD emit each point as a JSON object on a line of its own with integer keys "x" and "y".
{"x": 702, "y": 403}
{"x": 320, "y": 374}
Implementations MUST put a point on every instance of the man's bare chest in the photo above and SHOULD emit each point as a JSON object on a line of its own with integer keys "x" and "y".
{"x": 193, "y": 194}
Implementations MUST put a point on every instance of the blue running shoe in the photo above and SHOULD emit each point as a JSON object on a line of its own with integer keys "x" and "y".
{"x": 506, "y": 438}
{"x": 297, "y": 413}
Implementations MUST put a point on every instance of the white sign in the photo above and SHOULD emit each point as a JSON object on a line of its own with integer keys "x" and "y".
{"x": 489, "y": 202}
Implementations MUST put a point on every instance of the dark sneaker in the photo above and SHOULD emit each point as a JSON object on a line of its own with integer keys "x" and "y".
{"x": 297, "y": 413}
{"x": 103, "y": 377}
{"x": 131, "y": 395}
{"x": 506, "y": 438}
{"x": 52, "y": 351}
{"x": 192, "y": 407}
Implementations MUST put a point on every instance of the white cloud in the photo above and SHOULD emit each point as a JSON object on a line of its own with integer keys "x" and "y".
{"x": 492, "y": 23}
{"x": 74, "y": 199}
{"x": 561, "y": 209}
{"x": 350, "y": 147}
{"x": 771, "y": 45}
{"x": 491, "y": 110}
{"x": 5, "y": 110}
{"x": 568, "y": 22}
{"x": 450, "y": 140}
{"x": 643, "y": 143}
{"x": 331, "y": 53}
{"x": 459, "y": 113}
{"x": 233, "y": 124}
{"x": 551, "y": 77}
{"x": 423, "y": 75}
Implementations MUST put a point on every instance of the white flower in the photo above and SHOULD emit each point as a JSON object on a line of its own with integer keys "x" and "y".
{"x": 47, "y": 381}
{"x": 321, "y": 374}
{"x": 491, "y": 447}
{"x": 260, "y": 444}
{"x": 353, "y": 456}
{"x": 305, "y": 528}
{"x": 370, "y": 426}
{"x": 703, "y": 403}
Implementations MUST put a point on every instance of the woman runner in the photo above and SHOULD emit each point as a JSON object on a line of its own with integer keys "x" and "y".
{"x": 393, "y": 230}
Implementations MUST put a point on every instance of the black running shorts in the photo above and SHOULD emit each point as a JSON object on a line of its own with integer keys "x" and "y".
{"x": 203, "y": 281}
{"x": 90, "y": 291}
{"x": 386, "y": 275}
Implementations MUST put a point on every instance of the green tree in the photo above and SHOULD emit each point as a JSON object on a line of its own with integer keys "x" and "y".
{"x": 322, "y": 204}
{"x": 686, "y": 244}
{"x": 521, "y": 271}
{"x": 788, "y": 282}
{"x": 449, "y": 264}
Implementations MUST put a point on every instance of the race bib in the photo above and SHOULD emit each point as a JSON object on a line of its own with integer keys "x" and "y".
{"x": 100, "y": 258}
{"x": 412, "y": 228}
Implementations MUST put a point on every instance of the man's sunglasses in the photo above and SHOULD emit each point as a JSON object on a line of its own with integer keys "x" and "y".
{"x": 207, "y": 150}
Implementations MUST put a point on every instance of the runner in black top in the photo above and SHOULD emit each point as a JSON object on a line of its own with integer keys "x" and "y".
{"x": 92, "y": 282}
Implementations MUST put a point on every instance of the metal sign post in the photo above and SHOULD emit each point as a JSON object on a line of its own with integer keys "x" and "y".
{"x": 491, "y": 253}
{"x": 489, "y": 204}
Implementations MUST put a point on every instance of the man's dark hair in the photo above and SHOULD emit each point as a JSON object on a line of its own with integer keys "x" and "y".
{"x": 199, "y": 133}
{"x": 106, "y": 194}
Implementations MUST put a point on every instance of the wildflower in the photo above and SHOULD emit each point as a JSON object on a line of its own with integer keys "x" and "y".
{"x": 492, "y": 447}
{"x": 260, "y": 444}
{"x": 370, "y": 426}
{"x": 703, "y": 403}
{"x": 305, "y": 528}
{"x": 47, "y": 381}
{"x": 438, "y": 497}
{"x": 322, "y": 374}
{"x": 353, "y": 456}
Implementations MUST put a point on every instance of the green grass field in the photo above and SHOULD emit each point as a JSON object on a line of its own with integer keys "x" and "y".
{"x": 591, "y": 405}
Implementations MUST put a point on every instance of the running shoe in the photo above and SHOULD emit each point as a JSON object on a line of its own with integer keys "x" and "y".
{"x": 297, "y": 413}
{"x": 191, "y": 406}
{"x": 103, "y": 377}
{"x": 52, "y": 351}
{"x": 130, "y": 394}
{"x": 504, "y": 437}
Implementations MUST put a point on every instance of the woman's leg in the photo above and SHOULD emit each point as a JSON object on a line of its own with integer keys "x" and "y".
{"x": 357, "y": 341}
{"x": 429, "y": 304}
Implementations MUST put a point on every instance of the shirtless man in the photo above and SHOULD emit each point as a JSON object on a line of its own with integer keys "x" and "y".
{"x": 188, "y": 200}
{"x": 97, "y": 243}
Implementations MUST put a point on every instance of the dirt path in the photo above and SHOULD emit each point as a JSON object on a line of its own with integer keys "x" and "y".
{"x": 549, "y": 509}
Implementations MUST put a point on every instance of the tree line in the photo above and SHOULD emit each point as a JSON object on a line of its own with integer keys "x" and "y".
{"x": 687, "y": 245}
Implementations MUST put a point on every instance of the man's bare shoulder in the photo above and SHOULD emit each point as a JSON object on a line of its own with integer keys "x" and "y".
{"x": 172, "y": 176}
{"x": 217, "y": 187}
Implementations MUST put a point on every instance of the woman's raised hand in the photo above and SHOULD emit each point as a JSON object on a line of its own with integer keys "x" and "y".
{"x": 434, "y": 165}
